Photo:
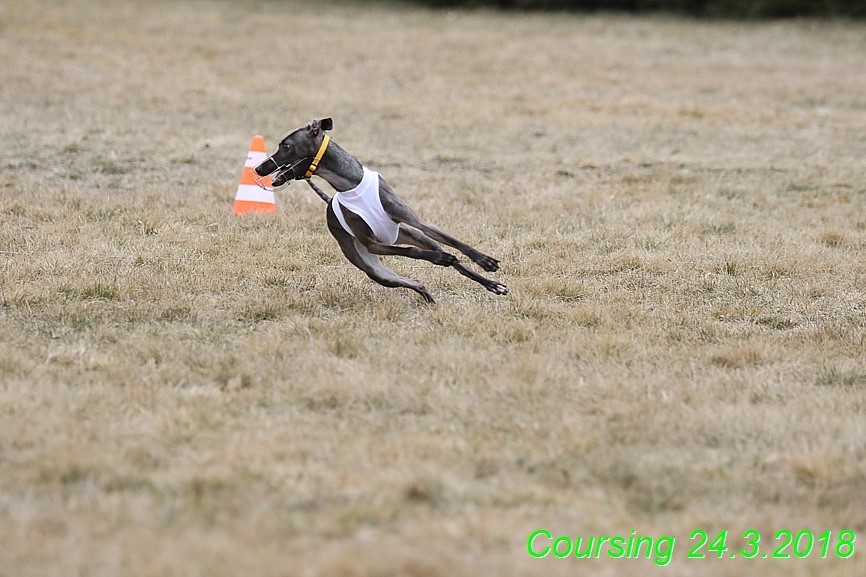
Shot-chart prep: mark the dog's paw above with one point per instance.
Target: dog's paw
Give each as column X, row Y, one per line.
column 497, row 288
column 488, row 263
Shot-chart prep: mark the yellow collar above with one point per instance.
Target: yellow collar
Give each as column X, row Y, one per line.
column 318, row 157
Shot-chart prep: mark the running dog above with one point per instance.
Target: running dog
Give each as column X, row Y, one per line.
column 365, row 215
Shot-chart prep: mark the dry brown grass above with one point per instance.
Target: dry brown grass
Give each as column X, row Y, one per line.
column 680, row 209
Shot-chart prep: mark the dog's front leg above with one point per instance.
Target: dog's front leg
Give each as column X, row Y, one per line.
column 355, row 252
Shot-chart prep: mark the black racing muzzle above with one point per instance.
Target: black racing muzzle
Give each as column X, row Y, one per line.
column 281, row 174
column 303, row 168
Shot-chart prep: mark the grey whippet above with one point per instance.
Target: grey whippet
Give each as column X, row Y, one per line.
column 352, row 219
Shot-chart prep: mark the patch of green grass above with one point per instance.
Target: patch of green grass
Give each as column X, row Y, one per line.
column 833, row 377
column 92, row 291
column 776, row 323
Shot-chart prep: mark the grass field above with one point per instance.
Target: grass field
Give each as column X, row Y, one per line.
column 680, row 212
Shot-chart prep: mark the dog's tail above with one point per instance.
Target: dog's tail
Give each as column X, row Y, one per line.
column 319, row 191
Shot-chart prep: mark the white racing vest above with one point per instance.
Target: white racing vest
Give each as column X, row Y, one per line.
column 364, row 201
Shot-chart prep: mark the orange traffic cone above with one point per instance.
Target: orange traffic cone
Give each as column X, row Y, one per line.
column 250, row 197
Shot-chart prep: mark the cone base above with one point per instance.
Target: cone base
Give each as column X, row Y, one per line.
column 248, row 206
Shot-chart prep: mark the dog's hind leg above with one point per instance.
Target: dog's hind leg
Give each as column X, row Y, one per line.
column 401, row 212
column 438, row 256
column 491, row 285
column 370, row 263
column 417, row 238
column 486, row 262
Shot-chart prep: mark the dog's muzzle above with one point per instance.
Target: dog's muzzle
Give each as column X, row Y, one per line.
column 280, row 174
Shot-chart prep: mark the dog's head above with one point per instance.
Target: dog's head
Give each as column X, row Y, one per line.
column 295, row 153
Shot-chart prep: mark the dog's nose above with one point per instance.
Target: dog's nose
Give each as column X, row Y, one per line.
column 266, row 167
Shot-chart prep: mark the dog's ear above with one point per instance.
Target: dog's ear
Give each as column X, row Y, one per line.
column 316, row 126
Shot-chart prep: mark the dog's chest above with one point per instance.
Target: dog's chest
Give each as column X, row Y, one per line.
column 364, row 201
